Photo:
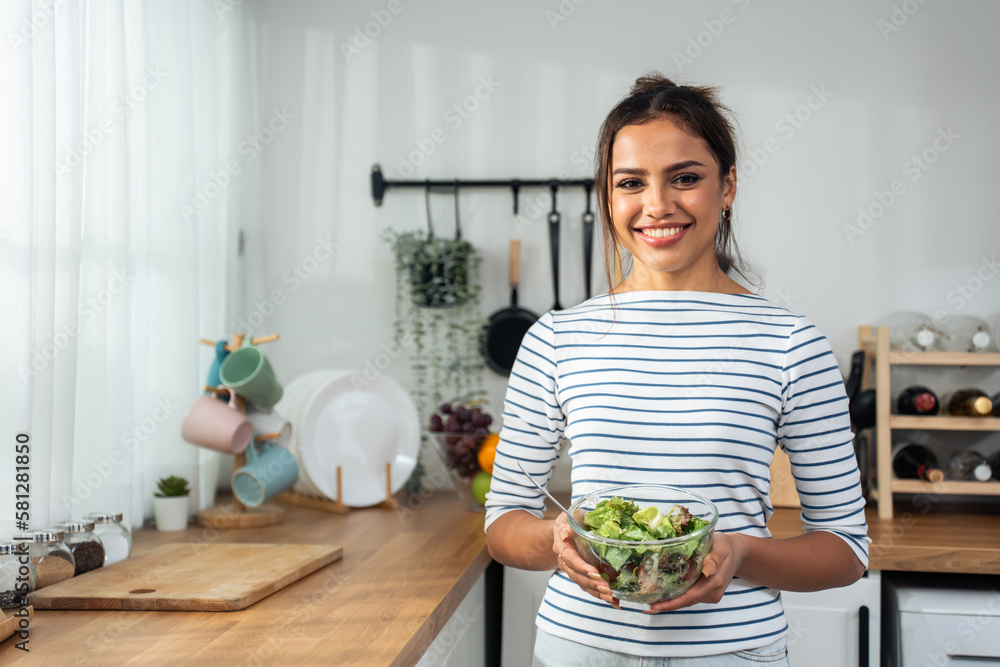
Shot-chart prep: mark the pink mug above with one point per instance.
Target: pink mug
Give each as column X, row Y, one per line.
column 212, row 424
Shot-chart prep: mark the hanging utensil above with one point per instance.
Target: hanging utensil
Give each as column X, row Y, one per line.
column 427, row 206
column 554, row 219
column 507, row 326
column 588, row 240
column 458, row 218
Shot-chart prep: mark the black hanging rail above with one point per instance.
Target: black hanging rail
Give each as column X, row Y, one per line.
column 380, row 184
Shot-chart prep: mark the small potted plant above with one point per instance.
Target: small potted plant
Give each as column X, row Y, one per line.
column 170, row 504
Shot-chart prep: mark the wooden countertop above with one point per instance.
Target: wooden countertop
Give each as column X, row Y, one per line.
column 402, row 576
column 957, row 543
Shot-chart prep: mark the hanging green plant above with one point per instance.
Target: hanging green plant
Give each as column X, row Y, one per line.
column 438, row 313
column 437, row 268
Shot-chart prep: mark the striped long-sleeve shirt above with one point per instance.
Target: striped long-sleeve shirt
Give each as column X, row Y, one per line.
column 689, row 389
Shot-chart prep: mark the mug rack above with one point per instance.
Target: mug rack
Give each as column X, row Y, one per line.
column 236, row 514
column 380, row 184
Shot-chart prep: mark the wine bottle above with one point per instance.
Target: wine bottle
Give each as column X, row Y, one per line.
column 993, row 460
column 967, row 333
column 969, row 403
column 917, row 400
column 968, row 465
column 913, row 332
column 913, row 461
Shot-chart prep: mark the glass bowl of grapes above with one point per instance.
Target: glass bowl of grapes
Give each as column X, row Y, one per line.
column 461, row 436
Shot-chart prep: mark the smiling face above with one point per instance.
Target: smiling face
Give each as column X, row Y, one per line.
column 666, row 198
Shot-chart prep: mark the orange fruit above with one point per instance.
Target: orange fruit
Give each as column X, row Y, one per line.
column 488, row 452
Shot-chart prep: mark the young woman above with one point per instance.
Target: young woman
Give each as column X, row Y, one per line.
column 678, row 376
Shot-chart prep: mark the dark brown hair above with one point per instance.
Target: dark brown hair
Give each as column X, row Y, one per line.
column 697, row 110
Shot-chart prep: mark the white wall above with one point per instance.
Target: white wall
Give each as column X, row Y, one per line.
column 891, row 91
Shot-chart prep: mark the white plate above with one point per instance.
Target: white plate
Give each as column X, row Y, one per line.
column 360, row 429
column 297, row 395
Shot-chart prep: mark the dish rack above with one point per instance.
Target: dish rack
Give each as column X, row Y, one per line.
column 337, row 506
column 875, row 343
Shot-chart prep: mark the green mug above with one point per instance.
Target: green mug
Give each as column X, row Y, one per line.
column 248, row 372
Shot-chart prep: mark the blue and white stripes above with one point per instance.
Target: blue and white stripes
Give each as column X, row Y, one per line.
column 694, row 390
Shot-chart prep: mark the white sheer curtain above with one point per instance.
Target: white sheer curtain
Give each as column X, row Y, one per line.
column 127, row 192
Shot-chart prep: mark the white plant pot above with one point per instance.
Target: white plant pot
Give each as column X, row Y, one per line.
column 171, row 513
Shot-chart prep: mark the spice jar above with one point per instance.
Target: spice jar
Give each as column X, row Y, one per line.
column 17, row 574
column 88, row 551
column 115, row 537
column 52, row 559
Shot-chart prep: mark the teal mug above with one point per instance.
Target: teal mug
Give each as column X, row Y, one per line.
column 248, row 372
column 265, row 474
column 220, row 355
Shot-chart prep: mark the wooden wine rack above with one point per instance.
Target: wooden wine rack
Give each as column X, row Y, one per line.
column 875, row 342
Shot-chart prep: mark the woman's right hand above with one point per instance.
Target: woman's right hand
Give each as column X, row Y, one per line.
column 582, row 573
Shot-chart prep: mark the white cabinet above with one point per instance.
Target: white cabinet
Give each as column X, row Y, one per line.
column 942, row 620
column 825, row 628
column 832, row 627
column 460, row 642
column 522, row 595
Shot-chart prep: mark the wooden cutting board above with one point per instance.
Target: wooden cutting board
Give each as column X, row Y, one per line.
column 189, row 577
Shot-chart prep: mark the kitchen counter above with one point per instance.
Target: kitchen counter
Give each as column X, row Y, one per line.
column 402, row 575
column 956, row 543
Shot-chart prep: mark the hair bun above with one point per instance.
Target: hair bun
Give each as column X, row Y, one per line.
column 651, row 81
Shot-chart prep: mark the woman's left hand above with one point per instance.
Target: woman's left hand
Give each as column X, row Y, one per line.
column 717, row 571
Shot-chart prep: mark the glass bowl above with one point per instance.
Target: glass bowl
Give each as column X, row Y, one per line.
column 459, row 452
column 652, row 571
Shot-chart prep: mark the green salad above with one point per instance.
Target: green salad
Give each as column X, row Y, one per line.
column 646, row 574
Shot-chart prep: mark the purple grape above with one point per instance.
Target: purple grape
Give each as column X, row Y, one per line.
column 468, row 427
column 481, row 432
column 463, row 413
column 445, row 409
column 489, row 420
column 478, row 419
column 453, row 425
column 436, row 423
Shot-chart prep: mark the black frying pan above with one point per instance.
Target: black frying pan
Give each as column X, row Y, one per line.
column 507, row 326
